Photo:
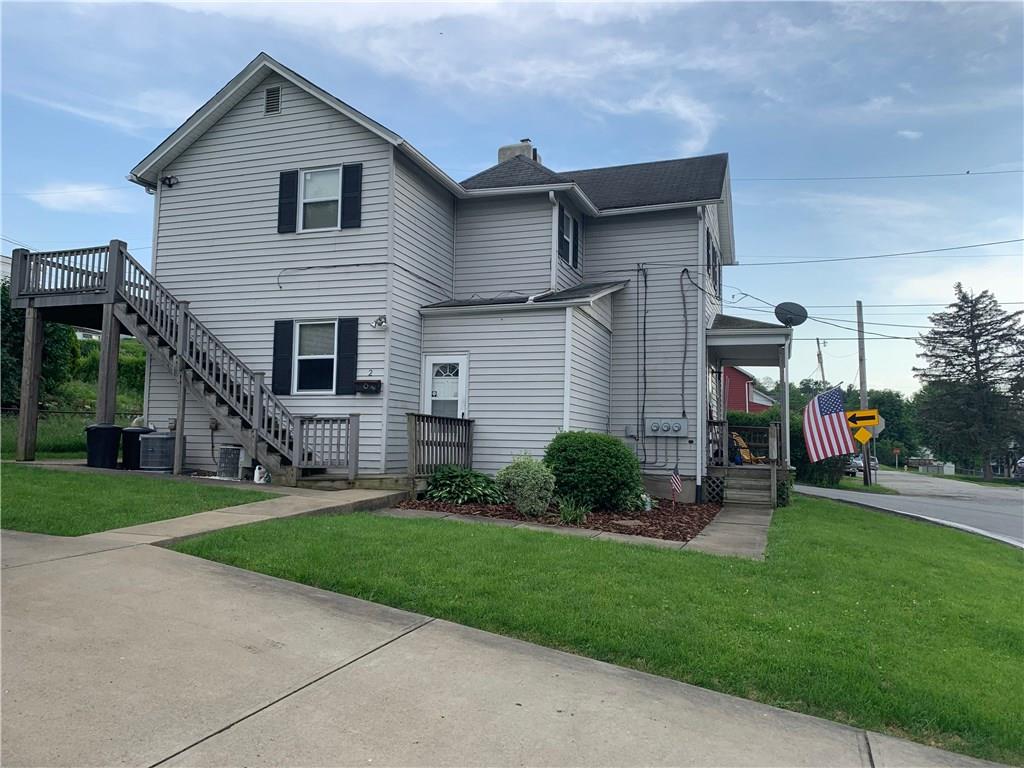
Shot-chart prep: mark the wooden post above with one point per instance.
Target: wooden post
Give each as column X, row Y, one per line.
column 352, row 451
column 181, row 342
column 31, row 368
column 297, row 447
column 469, row 445
column 773, row 460
column 115, row 268
column 410, row 429
column 19, row 273
column 784, row 398
column 110, row 342
column 179, row 426
column 257, row 412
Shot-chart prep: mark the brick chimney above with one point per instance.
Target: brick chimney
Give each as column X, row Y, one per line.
column 523, row 147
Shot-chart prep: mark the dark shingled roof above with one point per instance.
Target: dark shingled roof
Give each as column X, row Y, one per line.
column 581, row 291
column 688, row 180
column 518, row 171
column 731, row 322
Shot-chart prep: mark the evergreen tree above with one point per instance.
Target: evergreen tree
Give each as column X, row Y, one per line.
column 970, row 407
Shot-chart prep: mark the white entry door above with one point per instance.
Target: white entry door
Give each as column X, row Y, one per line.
column 445, row 380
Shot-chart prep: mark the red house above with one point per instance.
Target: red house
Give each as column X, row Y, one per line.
column 741, row 392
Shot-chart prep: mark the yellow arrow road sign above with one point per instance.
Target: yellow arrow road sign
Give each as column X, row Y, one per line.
column 865, row 418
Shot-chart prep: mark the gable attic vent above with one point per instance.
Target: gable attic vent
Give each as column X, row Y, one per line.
column 272, row 100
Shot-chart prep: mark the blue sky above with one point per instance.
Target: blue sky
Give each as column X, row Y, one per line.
column 788, row 89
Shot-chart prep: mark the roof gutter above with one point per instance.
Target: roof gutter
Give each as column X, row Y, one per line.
column 656, row 208
column 483, row 309
column 570, row 187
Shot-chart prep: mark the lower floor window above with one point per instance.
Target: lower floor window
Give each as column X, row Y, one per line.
column 315, row 356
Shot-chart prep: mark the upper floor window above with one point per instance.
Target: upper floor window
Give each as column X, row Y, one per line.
column 320, row 196
column 570, row 237
column 714, row 263
column 315, row 356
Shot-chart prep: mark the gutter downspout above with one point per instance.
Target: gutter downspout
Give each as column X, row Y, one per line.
column 702, row 376
column 554, row 240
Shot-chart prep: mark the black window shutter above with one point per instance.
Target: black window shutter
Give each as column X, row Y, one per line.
column 287, row 201
column 575, row 243
column 281, row 377
column 348, row 356
column 351, row 195
column 563, row 247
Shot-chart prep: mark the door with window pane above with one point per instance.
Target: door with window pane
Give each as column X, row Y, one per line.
column 445, row 385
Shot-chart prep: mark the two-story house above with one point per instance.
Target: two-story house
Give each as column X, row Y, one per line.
column 331, row 269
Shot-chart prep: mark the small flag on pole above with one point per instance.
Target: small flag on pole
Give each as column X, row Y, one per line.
column 677, row 484
column 825, row 430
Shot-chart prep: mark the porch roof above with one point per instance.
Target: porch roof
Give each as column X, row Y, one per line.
column 584, row 293
column 741, row 341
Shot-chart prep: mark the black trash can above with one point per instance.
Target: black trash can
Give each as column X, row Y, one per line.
column 131, row 446
column 101, row 444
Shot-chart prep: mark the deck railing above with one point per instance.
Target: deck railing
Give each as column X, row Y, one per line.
column 762, row 442
column 82, row 270
column 437, row 441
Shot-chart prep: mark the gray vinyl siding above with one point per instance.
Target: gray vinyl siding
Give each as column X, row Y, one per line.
column 665, row 242
column 219, row 248
column 590, row 382
column 503, row 245
column 516, row 375
column 601, row 310
column 422, row 274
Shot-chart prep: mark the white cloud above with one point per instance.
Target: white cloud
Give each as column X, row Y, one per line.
column 82, row 198
column 148, row 108
column 910, row 135
column 698, row 117
column 882, row 207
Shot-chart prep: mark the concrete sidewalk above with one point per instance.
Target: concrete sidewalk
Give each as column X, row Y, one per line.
column 136, row 655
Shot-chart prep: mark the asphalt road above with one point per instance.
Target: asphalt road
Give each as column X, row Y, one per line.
column 997, row 512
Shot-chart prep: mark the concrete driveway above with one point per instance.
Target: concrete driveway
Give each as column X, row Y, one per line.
column 116, row 652
column 994, row 511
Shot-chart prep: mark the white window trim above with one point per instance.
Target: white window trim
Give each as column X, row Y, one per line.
column 462, row 358
column 301, row 223
column 568, row 217
column 296, row 357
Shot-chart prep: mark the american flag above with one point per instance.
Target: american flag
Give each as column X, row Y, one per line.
column 825, row 430
column 677, row 482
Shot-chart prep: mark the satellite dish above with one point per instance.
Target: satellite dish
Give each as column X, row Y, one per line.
column 790, row 314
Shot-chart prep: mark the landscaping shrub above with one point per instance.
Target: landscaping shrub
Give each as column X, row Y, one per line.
column 572, row 512
column 594, row 469
column 528, row 484
column 459, row 485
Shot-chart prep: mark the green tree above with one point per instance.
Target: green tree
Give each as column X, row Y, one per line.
column 60, row 353
column 970, row 407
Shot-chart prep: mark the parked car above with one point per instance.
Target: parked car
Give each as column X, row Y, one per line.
column 856, row 465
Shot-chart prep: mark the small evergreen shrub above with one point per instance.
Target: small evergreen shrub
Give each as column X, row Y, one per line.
column 459, row 485
column 594, row 469
column 572, row 512
column 527, row 484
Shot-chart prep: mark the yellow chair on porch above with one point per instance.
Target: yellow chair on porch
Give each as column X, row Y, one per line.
column 744, row 451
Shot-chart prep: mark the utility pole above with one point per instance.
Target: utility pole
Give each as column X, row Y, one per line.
column 821, row 365
column 865, row 451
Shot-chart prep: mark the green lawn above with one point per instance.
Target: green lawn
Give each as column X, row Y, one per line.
column 856, row 616
column 857, row 484
column 999, row 482
column 65, row 503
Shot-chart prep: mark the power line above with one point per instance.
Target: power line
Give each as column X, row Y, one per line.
column 840, row 319
column 31, row 193
column 868, row 178
column 888, row 255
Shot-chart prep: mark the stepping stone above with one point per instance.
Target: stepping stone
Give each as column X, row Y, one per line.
column 627, row 523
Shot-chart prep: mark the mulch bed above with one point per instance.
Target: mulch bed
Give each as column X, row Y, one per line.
column 679, row 522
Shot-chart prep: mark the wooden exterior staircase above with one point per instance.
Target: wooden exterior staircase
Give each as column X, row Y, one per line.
column 106, row 288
